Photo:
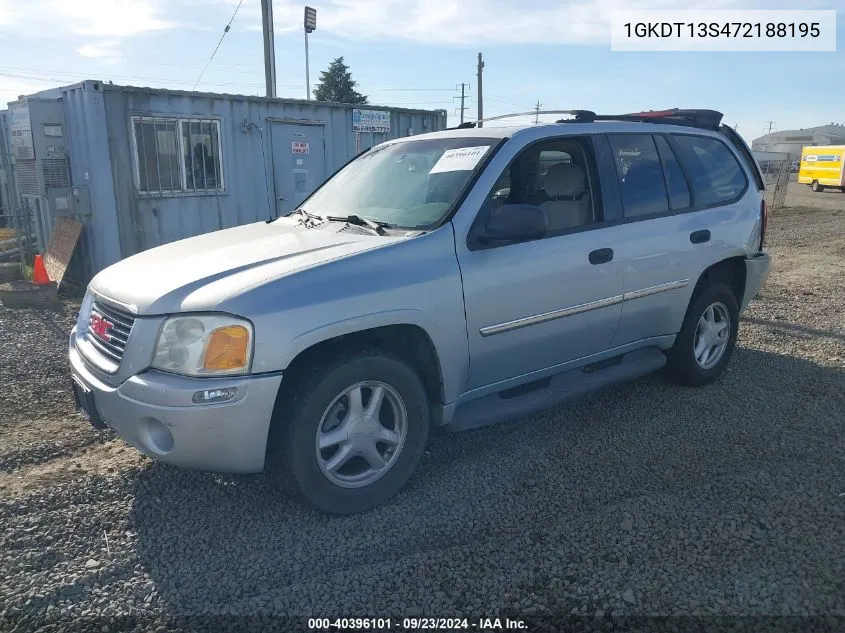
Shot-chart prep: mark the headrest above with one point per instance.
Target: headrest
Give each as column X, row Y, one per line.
column 564, row 179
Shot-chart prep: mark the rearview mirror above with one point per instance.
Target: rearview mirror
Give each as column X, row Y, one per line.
column 515, row 222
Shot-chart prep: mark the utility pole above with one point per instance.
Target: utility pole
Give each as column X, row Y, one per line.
column 537, row 115
column 771, row 123
column 463, row 100
column 269, row 47
column 480, row 116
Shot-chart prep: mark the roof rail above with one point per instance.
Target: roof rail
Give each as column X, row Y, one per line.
column 708, row 119
column 580, row 116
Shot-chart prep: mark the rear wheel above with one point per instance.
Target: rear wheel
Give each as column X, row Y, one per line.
column 816, row 186
column 707, row 337
column 356, row 431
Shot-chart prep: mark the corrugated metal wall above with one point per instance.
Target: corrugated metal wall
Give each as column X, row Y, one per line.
column 90, row 166
column 125, row 221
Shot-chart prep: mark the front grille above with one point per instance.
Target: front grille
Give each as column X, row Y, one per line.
column 118, row 333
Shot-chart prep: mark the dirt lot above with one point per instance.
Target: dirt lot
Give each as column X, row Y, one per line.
column 646, row 499
column 802, row 196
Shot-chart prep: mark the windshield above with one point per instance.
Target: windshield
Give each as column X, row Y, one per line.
column 411, row 184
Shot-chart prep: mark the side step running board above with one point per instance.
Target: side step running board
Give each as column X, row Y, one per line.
column 560, row 388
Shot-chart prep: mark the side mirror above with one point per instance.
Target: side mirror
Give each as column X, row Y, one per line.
column 515, row 222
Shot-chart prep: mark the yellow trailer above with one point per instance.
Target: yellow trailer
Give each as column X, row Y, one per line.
column 823, row 166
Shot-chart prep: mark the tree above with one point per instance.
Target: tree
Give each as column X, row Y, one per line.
column 336, row 85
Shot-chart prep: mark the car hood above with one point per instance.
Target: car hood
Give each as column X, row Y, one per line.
column 197, row 273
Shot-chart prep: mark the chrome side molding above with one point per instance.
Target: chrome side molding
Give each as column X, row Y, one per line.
column 507, row 326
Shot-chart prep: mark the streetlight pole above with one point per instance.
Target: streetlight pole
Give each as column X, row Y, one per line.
column 310, row 24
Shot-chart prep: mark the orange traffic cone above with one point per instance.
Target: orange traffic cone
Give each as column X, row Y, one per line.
column 39, row 273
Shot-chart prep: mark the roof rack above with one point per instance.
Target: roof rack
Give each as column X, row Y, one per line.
column 707, row 119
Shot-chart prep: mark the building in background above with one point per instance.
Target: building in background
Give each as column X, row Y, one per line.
column 793, row 141
column 142, row 167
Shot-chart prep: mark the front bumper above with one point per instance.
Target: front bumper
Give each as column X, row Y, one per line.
column 757, row 268
column 154, row 412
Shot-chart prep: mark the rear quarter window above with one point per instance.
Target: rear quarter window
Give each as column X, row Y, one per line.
column 717, row 177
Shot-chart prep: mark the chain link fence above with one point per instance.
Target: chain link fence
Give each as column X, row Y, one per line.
column 776, row 177
column 17, row 239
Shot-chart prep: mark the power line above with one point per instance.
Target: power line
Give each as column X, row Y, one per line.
column 420, row 103
column 56, row 75
column 220, row 41
column 74, row 76
column 409, row 89
column 508, row 101
column 147, row 58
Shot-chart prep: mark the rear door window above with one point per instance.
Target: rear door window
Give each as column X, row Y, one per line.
column 640, row 175
column 717, row 177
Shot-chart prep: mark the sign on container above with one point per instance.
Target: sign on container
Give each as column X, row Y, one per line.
column 370, row 120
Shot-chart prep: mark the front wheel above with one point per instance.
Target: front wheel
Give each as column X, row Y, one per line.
column 356, row 431
column 707, row 337
column 816, row 186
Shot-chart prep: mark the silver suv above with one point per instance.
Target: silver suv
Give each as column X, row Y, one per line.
column 448, row 280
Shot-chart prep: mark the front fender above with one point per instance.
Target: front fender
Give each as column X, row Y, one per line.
column 411, row 282
column 351, row 325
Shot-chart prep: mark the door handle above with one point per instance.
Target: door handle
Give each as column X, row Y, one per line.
column 601, row 256
column 699, row 237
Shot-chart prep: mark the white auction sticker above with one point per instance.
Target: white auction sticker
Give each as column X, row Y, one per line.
column 462, row 159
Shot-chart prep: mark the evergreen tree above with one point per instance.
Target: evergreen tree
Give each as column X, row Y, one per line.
column 336, row 85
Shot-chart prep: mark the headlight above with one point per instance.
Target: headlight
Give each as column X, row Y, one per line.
column 84, row 314
column 204, row 345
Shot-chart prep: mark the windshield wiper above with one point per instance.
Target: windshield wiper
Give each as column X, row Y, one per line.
column 307, row 217
column 357, row 220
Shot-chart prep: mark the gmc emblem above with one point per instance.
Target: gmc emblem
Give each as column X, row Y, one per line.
column 101, row 326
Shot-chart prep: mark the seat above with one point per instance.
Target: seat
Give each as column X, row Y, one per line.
column 569, row 205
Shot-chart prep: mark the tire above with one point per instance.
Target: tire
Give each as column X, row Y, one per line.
column 816, row 186
column 322, row 404
column 683, row 366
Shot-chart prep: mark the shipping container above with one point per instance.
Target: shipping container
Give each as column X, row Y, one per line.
column 145, row 166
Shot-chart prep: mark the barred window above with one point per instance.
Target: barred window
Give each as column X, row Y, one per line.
column 202, row 160
column 176, row 155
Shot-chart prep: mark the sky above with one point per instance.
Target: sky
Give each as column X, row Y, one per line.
column 416, row 53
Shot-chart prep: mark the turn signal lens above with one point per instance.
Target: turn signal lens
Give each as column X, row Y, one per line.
column 227, row 349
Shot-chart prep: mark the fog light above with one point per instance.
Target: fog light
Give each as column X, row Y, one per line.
column 214, row 395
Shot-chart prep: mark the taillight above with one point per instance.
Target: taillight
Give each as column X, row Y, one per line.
column 764, row 222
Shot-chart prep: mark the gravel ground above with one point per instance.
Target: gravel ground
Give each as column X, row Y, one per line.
column 647, row 499
column 798, row 195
